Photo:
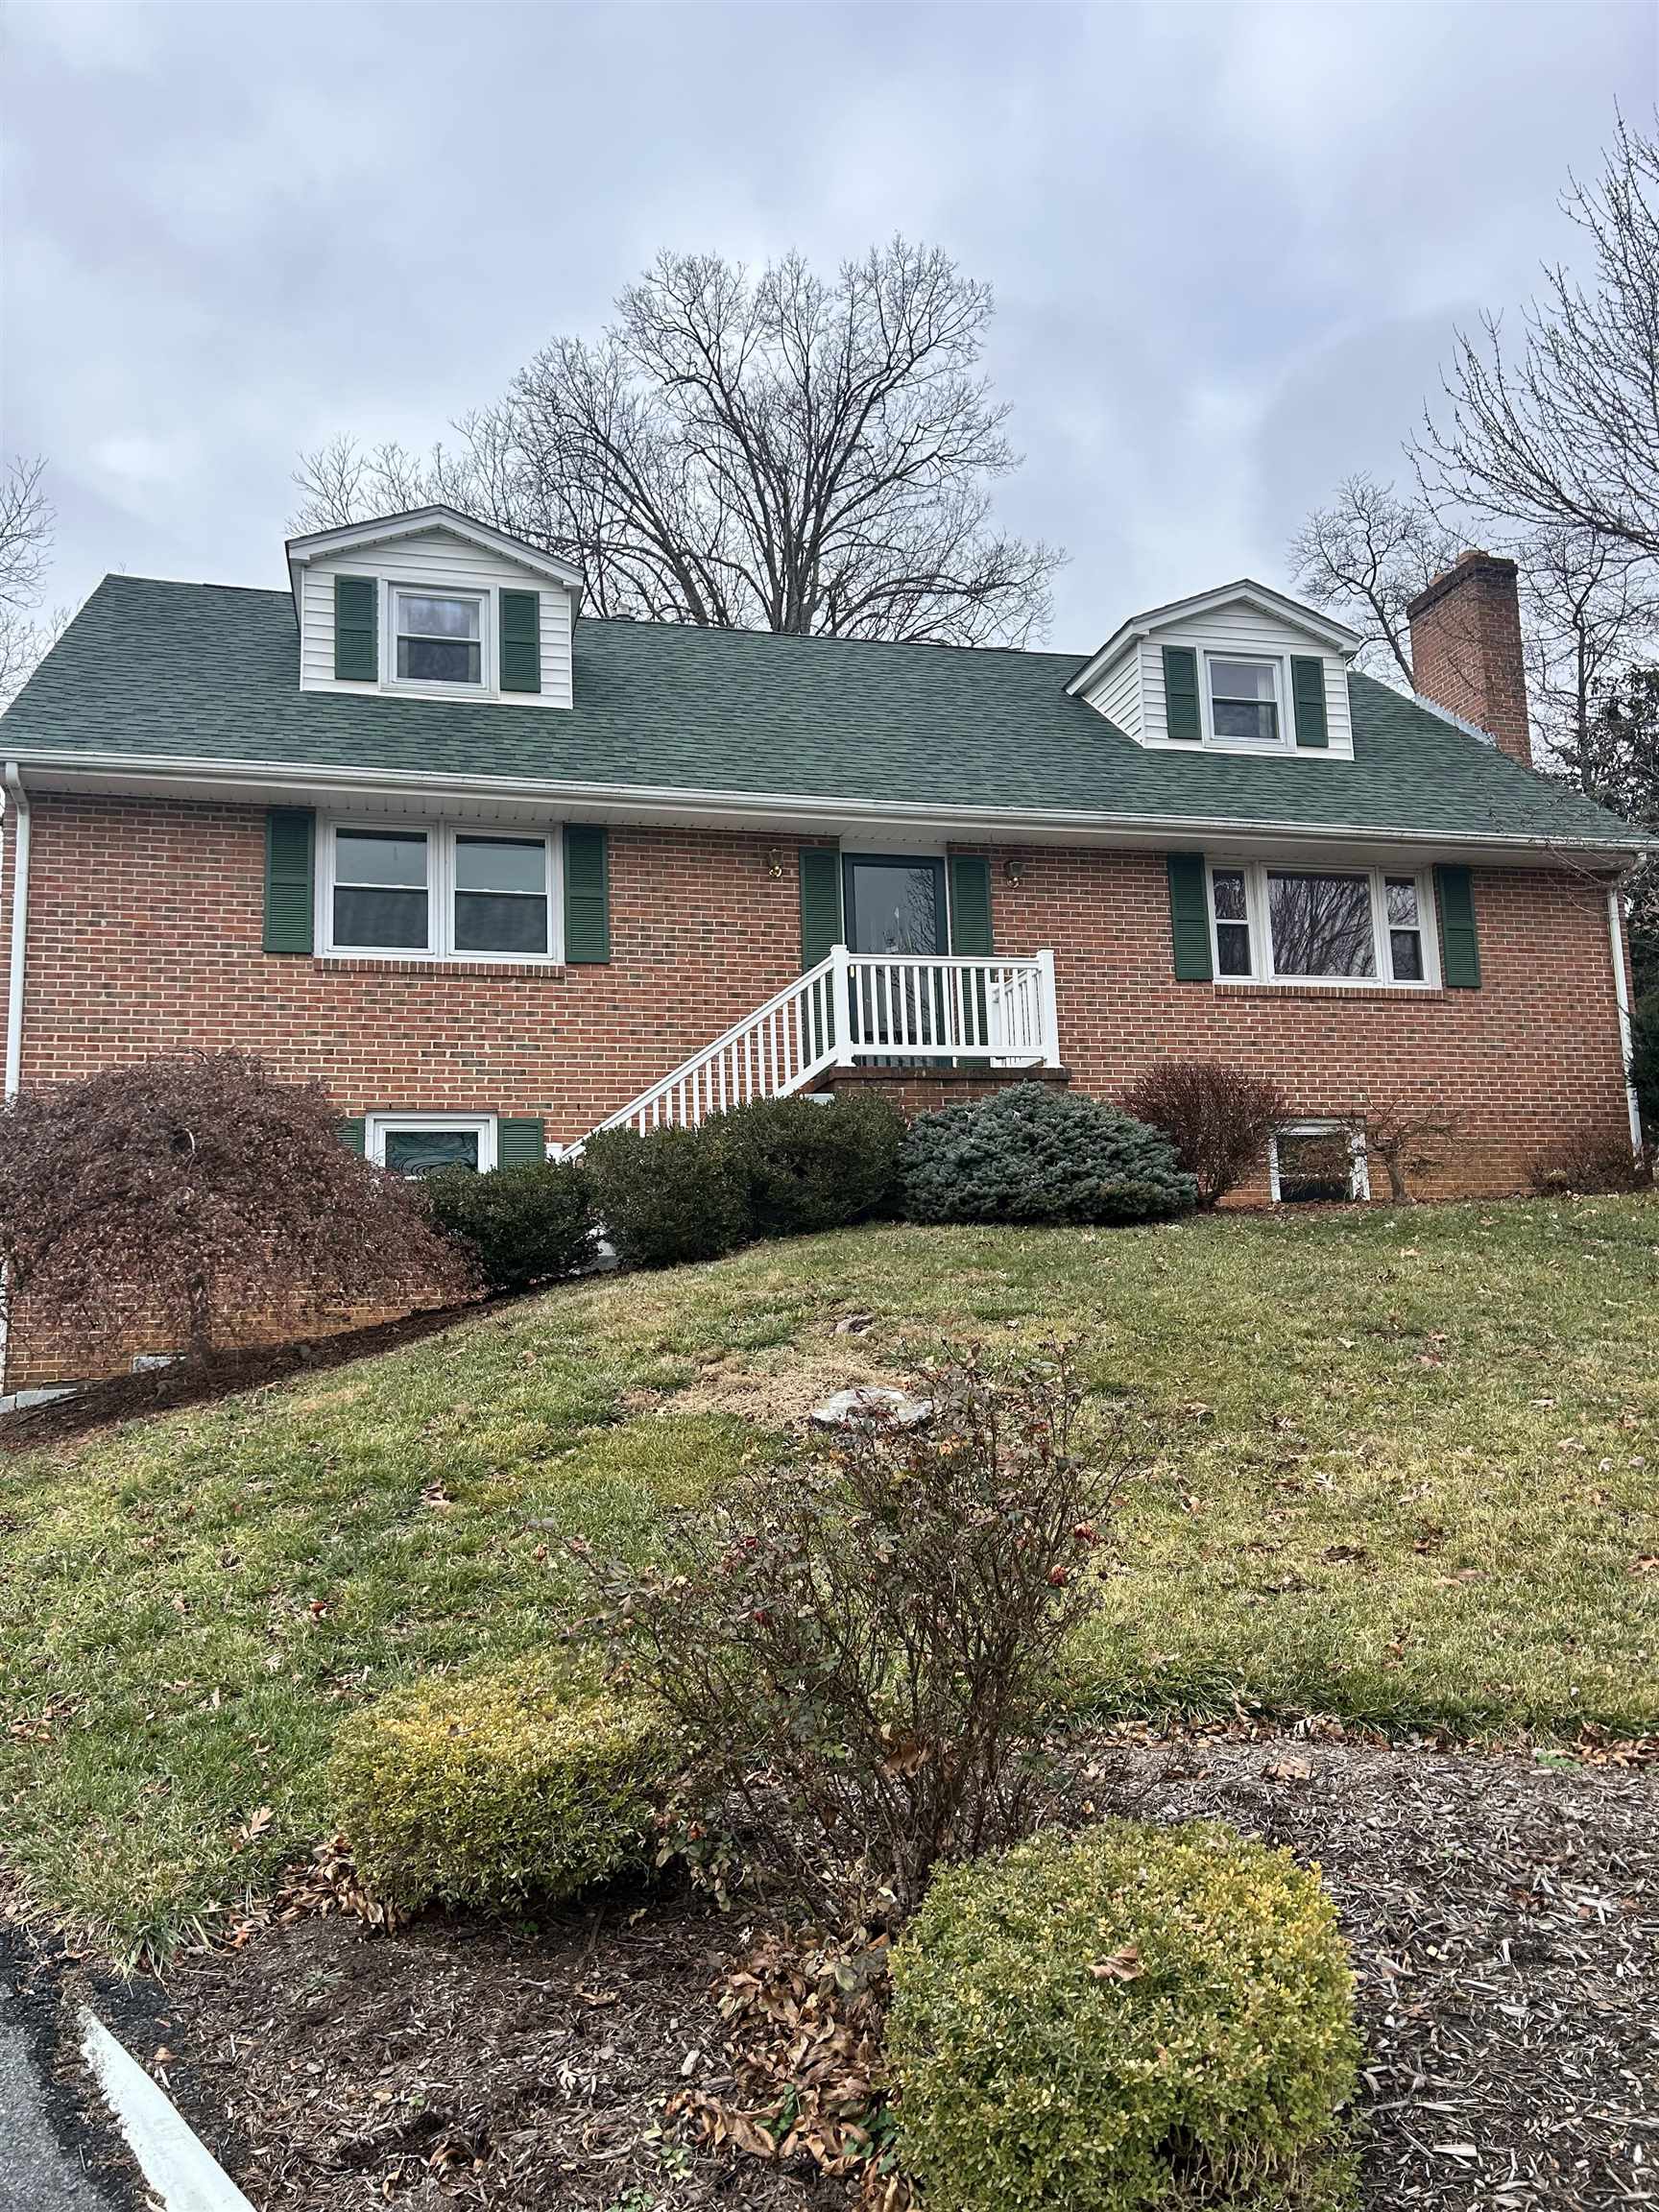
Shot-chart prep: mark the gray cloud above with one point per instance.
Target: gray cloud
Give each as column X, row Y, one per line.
column 1230, row 244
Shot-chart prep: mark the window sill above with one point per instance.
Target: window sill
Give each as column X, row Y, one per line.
column 427, row 964
column 1254, row 987
column 1243, row 750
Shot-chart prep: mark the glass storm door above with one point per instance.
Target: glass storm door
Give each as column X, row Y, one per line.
column 894, row 906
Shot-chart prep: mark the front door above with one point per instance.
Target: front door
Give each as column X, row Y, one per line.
column 894, row 906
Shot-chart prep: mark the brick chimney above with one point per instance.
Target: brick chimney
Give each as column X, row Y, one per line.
column 1466, row 649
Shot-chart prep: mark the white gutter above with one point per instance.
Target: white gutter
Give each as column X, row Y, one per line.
column 17, row 830
column 1621, row 998
column 641, row 801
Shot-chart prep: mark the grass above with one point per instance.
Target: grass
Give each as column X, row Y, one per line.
column 1407, row 1476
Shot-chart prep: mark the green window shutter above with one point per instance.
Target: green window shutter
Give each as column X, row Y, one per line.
column 354, row 1136
column 290, row 848
column 1189, row 917
column 970, row 906
column 356, row 629
column 1459, row 946
column 820, row 872
column 587, row 892
column 520, row 1140
column 521, row 641
column 1307, row 690
column 1181, row 693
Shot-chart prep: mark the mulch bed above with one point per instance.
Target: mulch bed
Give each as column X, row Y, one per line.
column 1505, row 1918
column 96, row 1405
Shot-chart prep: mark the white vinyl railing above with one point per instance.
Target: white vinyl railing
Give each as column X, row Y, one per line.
column 875, row 1009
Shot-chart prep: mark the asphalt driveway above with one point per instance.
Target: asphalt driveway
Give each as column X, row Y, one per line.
column 47, row 2146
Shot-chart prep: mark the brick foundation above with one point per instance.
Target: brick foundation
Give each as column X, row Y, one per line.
column 924, row 1091
column 146, row 928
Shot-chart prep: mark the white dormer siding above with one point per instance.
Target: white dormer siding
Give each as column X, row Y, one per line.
column 1117, row 694
column 1259, row 636
column 437, row 562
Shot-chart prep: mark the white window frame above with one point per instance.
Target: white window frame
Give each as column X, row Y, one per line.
column 1358, row 1163
column 441, row 837
column 1279, row 664
column 483, row 596
column 377, row 1127
column 1262, row 969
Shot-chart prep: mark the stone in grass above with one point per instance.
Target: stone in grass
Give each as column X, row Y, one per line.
column 853, row 1324
column 872, row 1405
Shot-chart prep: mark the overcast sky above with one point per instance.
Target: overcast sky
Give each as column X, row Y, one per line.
column 1229, row 245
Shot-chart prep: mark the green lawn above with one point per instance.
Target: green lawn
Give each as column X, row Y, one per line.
column 1409, row 1475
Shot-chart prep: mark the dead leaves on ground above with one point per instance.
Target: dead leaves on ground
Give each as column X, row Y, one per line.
column 806, row 2067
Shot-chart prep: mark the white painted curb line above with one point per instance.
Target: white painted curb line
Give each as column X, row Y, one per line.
column 173, row 2161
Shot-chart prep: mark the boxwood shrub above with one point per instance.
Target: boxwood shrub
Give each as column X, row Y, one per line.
column 523, row 1225
column 666, row 1197
column 1033, row 1153
column 807, row 1166
column 779, row 1167
column 495, row 1789
column 1125, row 2018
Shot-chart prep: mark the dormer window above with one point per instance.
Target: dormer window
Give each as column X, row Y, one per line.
column 1244, row 701
column 1240, row 669
column 439, row 637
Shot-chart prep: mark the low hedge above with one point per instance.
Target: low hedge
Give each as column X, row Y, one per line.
column 523, row 1225
column 805, row 1166
column 779, row 1167
column 666, row 1197
column 1032, row 1153
column 491, row 1789
column 1125, row 2018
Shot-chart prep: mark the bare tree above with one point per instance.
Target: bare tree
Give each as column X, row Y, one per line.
column 1560, row 433
column 27, row 520
column 1412, row 1138
column 1586, row 604
column 769, row 451
column 1366, row 557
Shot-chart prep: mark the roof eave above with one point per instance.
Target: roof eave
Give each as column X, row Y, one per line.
column 1337, row 634
column 642, row 801
column 345, row 538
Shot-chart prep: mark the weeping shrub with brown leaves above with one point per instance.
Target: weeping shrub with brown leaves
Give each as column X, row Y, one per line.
column 866, row 1636
column 197, row 1197
column 1218, row 1118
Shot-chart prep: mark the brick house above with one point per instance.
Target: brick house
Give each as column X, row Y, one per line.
column 497, row 875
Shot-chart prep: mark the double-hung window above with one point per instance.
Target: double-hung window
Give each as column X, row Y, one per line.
column 440, row 890
column 437, row 636
column 1289, row 925
column 381, row 895
column 1244, row 703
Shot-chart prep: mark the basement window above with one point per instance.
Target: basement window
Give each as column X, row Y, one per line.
column 1317, row 1164
column 421, row 1144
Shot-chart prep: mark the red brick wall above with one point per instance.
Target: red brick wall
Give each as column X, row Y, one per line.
column 1466, row 651
column 146, row 921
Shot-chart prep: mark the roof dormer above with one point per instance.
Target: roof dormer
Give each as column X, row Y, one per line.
column 433, row 605
column 1241, row 669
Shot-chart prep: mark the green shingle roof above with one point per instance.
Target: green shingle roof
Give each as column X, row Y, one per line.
column 152, row 670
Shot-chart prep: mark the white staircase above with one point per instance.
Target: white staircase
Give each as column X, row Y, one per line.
column 860, row 1007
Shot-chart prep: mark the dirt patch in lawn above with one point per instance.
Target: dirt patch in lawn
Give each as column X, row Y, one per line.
column 1505, row 1918
column 779, row 1389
